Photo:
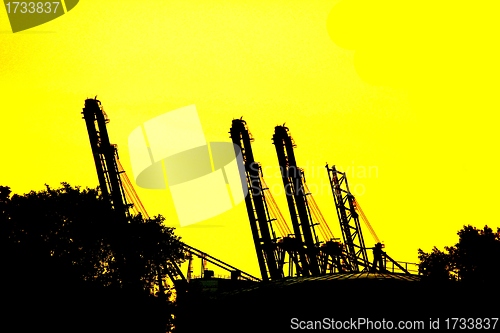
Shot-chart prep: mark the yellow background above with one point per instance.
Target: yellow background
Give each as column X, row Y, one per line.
column 400, row 94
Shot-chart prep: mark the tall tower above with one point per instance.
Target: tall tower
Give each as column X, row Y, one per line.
column 293, row 182
column 349, row 220
column 105, row 158
column 260, row 220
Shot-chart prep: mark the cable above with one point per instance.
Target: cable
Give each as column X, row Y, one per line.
column 365, row 220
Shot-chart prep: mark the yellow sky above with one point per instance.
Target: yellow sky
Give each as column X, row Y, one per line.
column 401, row 95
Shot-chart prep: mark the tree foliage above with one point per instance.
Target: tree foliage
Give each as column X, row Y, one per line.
column 65, row 239
column 474, row 259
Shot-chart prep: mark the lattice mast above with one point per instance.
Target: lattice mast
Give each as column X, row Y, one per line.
column 263, row 234
column 349, row 220
column 293, row 181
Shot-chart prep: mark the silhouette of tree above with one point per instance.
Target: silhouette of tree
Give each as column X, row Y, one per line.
column 66, row 239
column 477, row 254
column 436, row 265
column 474, row 259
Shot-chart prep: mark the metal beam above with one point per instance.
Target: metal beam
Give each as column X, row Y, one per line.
column 349, row 221
column 105, row 158
column 260, row 220
column 297, row 202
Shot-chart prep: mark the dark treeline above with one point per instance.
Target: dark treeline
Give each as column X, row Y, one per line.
column 69, row 266
column 473, row 260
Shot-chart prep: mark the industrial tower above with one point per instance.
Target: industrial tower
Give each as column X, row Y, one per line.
column 105, row 158
column 263, row 234
column 349, row 220
column 300, row 215
column 348, row 212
